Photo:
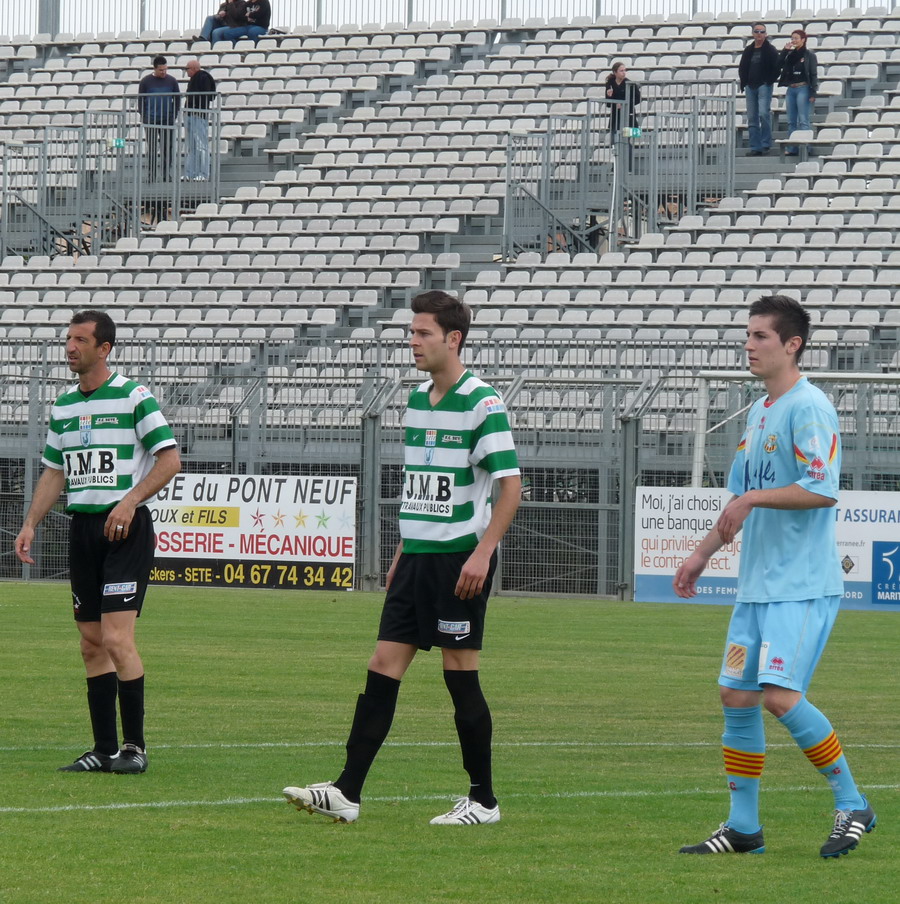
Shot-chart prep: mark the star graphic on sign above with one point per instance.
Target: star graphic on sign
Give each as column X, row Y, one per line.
column 345, row 522
column 258, row 518
column 323, row 519
column 278, row 519
column 300, row 518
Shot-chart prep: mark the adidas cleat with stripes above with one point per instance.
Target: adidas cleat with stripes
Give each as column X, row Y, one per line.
column 849, row 827
column 130, row 760
column 726, row 840
column 468, row 812
column 325, row 799
column 90, row 761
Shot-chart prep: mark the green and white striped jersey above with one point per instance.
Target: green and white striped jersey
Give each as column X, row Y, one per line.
column 105, row 442
column 453, row 451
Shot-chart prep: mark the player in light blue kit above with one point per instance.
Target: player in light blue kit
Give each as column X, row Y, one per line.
column 785, row 478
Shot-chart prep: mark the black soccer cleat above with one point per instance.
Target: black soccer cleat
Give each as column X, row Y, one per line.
column 726, row 840
column 849, row 826
column 90, row 761
column 130, row 760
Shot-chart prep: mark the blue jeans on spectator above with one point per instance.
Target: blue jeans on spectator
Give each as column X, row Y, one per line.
column 196, row 164
column 235, row 34
column 209, row 25
column 797, row 103
column 759, row 116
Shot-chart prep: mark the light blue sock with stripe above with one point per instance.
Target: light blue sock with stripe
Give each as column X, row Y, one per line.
column 814, row 735
column 744, row 751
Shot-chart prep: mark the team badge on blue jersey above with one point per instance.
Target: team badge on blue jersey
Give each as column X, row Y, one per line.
column 771, row 443
column 84, row 425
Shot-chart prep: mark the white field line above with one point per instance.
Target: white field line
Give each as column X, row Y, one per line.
column 561, row 795
column 299, row 745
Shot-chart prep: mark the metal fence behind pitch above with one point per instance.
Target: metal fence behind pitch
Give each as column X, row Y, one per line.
column 619, row 169
column 78, row 189
column 587, row 434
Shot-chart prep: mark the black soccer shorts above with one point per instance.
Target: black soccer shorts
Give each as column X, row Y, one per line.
column 105, row 575
column 421, row 608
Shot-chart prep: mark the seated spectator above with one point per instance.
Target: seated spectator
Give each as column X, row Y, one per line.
column 233, row 19
column 213, row 22
column 258, row 15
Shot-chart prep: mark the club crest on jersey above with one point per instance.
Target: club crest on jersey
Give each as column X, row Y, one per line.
column 430, row 443
column 771, row 443
column 84, row 426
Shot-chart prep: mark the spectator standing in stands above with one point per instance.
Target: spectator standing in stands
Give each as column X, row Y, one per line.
column 110, row 449
column 159, row 100
column 617, row 89
column 799, row 72
column 758, row 71
column 201, row 90
column 458, row 445
column 785, row 479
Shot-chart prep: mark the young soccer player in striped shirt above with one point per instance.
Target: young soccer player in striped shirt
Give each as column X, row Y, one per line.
column 457, row 445
column 109, row 447
column 785, row 478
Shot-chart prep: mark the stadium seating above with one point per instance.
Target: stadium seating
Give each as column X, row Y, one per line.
column 381, row 164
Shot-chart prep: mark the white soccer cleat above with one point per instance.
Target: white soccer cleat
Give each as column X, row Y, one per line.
column 323, row 798
column 468, row 812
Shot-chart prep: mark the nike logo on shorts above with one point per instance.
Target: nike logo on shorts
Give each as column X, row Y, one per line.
column 461, row 637
column 128, row 599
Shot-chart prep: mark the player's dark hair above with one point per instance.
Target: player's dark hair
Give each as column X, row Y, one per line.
column 104, row 328
column 788, row 318
column 159, row 61
column 449, row 312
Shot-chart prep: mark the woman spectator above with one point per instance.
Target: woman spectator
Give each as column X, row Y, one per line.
column 616, row 90
column 799, row 73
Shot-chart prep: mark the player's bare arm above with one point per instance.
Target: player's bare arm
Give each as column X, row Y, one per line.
column 166, row 466
column 792, row 497
column 50, row 484
column 685, row 580
column 389, row 577
column 474, row 572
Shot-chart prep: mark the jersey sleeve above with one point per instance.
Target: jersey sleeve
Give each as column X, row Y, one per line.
column 150, row 427
column 493, row 448
column 52, row 457
column 817, row 451
column 737, row 483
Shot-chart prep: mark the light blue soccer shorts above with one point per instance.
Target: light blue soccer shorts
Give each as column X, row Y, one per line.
column 776, row 643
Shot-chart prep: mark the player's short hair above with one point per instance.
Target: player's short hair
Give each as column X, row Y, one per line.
column 159, row 61
column 449, row 312
column 104, row 327
column 788, row 318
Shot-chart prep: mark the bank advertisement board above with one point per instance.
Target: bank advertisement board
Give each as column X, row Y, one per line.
column 239, row 530
column 670, row 522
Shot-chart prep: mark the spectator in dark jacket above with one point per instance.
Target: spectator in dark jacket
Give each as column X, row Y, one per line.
column 233, row 16
column 799, row 72
column 758, row 71
column 159, row 100
column 617, row 89
column 258, row 16
column 201, row 91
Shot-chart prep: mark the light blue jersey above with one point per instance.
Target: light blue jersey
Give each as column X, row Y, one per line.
column 789, row 555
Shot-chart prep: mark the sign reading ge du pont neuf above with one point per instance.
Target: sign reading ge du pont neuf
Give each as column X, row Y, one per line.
column 238, row 530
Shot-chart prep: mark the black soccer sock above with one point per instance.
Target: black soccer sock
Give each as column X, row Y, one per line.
column 131, row 709
column 371, row 723
column 101, row 696
column 475, row 729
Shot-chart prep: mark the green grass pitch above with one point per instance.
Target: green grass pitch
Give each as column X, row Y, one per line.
column 607, row 759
